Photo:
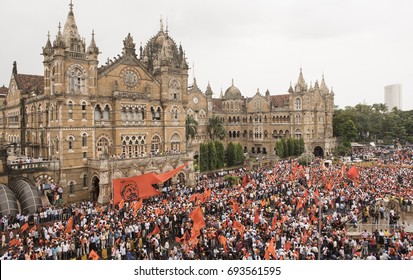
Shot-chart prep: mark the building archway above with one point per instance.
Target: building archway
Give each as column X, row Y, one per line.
column 95, row 190
column 318, row 151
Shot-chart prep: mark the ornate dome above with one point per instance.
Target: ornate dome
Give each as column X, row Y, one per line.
column 232, row 92
column 161, row 50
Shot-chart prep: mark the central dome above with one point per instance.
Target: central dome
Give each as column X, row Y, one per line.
column 232, row 92
column 161, row 50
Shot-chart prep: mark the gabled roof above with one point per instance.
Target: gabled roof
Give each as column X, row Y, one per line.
column 217, row 104
column 278, row 100
column 3, row 91
column 28, row 83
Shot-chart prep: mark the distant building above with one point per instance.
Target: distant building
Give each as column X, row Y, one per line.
column 393, row 96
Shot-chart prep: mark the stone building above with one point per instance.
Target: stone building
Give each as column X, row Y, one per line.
column 80, row 125
column 257, row 122
column 94, row 123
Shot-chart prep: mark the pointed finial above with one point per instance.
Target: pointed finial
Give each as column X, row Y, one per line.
column 166, row 24
column 48, row 35
column 193, row 69
column 93, row 33
column 232, row 81
column 71, row 7
column 161, row 24
column 59, row 26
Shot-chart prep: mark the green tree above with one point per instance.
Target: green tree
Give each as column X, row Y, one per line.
column 204, row 157
column 212, row 156
column 279, row 147
column 191, row 127
column 230, row 154
column 239, row 154
column 220, row 154
column 215, row 128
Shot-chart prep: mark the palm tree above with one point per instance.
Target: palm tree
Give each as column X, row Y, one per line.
column 216, row 128
column 191, row 127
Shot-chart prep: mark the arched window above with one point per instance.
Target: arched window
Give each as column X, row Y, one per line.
column 174, row 89
column 298, row 104
column 155, row 145
column 175, row 143
column 71, row 143
column 39, row 115
column 298, row 118
column 84, row 178
column 102, row 146
column 72, row 187
column 83, row 110
column 70, row 110
column 76, row 81
column 84, row 140
column 174, row 114
column 106, row 113
column 98, row 113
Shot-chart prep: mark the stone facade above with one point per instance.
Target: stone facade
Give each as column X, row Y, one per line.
column 257, row 122
column 127, row 117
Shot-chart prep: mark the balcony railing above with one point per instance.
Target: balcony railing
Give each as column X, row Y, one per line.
column 34, row 166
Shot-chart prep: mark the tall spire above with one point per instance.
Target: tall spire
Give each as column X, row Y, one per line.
column 59, row 42
column 232, row 82
column 323, row 86
column 93, row 49
column 161, row 24
column 47, row 49
column 208, row 90
column 71, row 7
column 70, row 31
column 301, row 85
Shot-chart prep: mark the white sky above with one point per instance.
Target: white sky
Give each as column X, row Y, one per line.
column 359, row 45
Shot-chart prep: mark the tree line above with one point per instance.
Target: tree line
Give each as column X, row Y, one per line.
column 213, row 156
column 371, row 123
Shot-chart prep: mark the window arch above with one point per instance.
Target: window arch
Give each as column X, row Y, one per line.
column 155, row 144
column 84, row 140
column 70, row 110
column 102, row 146
column 174, row 89
column 84, row 179
column 98, row 113
column 72, row 187
column 175, row 143
column 84, row 110
column 175, row 113
column 298, row 104
column 71, row 143
column 76, row 80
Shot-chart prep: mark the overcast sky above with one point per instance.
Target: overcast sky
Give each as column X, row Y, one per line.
column 359, row 45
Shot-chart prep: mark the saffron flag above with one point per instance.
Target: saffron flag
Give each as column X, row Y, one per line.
column 238, row 226
column 198, row 218
column 133, row 188
column 245, row 180
column 223, row 240
column 69, row 225
column 270, row 251
column 256, row 217
column 155, row 231
column 93, row 255
column 353, row 173
column 15, row 242
column 24, row 227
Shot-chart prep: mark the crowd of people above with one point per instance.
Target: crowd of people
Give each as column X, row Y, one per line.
column 279, row 211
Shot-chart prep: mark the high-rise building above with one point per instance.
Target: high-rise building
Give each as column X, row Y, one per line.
column 393, row 96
